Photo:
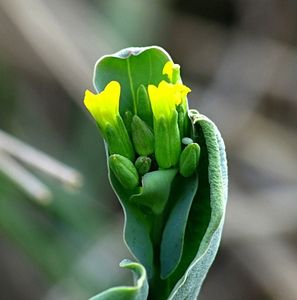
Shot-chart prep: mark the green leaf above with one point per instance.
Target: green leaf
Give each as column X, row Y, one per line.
column 137, row 292
column 131, row 67
column 136, row 228
column 156, row 190
column 207, row 213
column 182, row 195
column 154, row 195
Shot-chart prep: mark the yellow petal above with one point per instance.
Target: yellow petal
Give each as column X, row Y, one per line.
column 172, row 71
column 181, row 93
column 90, row 103
column 104, row 107
column 156, row 100
column 162, row 99
column 112, row 95
column 168, row 69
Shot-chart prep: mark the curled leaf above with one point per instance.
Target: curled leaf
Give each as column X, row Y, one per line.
column 137, row 292
column 206, row 218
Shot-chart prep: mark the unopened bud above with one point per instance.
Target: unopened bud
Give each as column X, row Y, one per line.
column 118, row 140
column 167, row 141
column 143, row 165
column 142, row 136
column 127, row 118
column 183, row 120
column 124, row 171
column 144, row 109
column 189, row 159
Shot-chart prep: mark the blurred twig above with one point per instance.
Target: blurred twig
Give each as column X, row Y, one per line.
column 11, row 146
column 31, row 185
column 39, row 160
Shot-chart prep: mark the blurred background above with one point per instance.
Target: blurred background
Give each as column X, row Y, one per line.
column 60, row 223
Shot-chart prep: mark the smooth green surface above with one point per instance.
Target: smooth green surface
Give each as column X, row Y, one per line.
column 136, row 228
column 183, row 192
column 131, row 67
column 156, row 190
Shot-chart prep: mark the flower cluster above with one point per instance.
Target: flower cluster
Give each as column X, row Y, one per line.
column 154, row 136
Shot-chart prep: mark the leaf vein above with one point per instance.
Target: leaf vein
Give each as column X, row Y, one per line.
column 131, row 86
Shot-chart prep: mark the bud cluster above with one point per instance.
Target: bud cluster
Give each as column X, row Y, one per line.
column 153, row 136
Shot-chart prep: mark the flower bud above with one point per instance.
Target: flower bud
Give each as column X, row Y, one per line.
column 164, row 99
column 142, row 136
column 182, row 120
column 118, row 140
column 144, row 109
column 173, row 72
column 143, row 165
column 189, row 159
column 127, row 118
column 167, row 141
column 124, row 171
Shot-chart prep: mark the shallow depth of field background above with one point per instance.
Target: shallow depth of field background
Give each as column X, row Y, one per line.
column 61, row 238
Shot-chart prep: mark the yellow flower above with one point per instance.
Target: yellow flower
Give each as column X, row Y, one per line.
column 162, row 99
column 172, row 70
column 181, row 91
column 165, row 97
column 104, row 107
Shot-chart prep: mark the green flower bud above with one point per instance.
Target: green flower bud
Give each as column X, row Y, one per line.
column 183, row 120
column 124, row 171
column 144, row 109
column 118, row 139
column 127, row 118
column 167, row 141
column 142, row 136
column 143, row 165
column 189, row 159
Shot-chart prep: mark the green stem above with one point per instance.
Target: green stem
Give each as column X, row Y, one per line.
column 159, row 289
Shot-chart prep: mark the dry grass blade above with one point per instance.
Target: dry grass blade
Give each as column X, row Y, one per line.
column 39, row 160
column 31, row 185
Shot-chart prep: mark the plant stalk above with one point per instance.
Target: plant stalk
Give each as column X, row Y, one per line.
column 159, row 289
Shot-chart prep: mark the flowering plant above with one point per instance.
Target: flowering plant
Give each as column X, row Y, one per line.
column 167, row 166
